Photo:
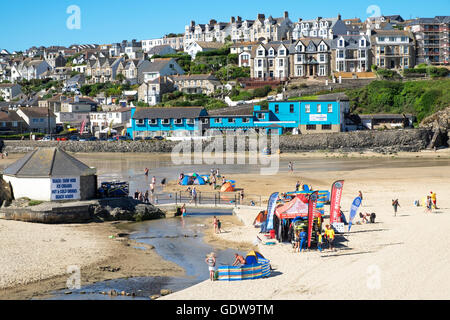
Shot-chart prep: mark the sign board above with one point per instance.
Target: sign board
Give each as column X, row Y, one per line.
column 318, row 117
column 65, row 188
column 339, row 227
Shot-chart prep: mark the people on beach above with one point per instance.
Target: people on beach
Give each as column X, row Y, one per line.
column 297, row 186
column 193, row 195
column 329, row 234
column 219, row 226
column 146, row 172
column 152, row 189
column 238, row 260
column 395, row 205
column 211, row 262
column 136, row 195
column 163, row 182
column 302, row 236
column 183, row 210
column 154, row 180
column 291, row 166
column 296, row 240
column 433, row 199
column 319, row 241
column 224, row 180
column 429, row 205
column 363, row 217
column 146, row 199
column 215, row 224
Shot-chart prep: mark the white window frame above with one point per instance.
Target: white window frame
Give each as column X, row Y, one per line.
column 330, row 108
column 165, row 121
column 307, row 108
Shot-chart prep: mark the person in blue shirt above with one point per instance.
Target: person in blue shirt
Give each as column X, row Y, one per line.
column 302, row 239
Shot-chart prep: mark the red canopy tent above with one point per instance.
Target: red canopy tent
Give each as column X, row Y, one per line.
column 297, row 207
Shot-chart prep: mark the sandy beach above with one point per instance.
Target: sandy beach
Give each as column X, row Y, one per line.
column 35, row 258
column 402, row 257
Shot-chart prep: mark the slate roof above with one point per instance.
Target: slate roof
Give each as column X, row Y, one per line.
column 169, row 113
column 48, row 162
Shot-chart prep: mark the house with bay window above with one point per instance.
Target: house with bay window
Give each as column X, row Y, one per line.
column 393, row 49
column 351, row 54
column 310, row 58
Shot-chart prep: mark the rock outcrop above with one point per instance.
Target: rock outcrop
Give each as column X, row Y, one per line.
column 439, row 123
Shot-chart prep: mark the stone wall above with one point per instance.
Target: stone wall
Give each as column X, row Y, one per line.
column 379, row 141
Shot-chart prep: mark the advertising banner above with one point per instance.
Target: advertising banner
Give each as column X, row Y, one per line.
column 270, row 210
column 312, row 203
column 353, row 209
column 335, row 201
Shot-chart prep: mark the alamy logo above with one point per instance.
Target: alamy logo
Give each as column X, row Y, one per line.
column 234, row 148
column 74, row 20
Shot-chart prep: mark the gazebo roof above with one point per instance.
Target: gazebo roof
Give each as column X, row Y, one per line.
column 48, row 162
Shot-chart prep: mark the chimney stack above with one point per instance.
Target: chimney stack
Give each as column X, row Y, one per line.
column 339, row 16
column 239, row 19
column 261, row 16
column 232, row 20
column 192, row 23
column 286, row 14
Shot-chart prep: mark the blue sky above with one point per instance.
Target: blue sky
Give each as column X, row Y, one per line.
column 28, row 22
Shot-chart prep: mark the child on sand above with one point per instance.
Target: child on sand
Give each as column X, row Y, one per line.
column 211, row 262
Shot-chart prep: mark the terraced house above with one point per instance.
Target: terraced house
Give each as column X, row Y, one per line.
column 304, row 58
column 393, row 49
column 325, row 28
column 351, row 53
column 102, row 70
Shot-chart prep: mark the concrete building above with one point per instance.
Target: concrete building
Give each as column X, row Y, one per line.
column 50, row 174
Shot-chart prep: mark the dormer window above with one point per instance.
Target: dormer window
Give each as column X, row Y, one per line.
column 341, row 42
column 362, row 43
column 271, row 52
column 281, row 52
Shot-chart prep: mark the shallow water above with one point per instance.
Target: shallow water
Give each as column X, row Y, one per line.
column 130, row 167
column 175, row 241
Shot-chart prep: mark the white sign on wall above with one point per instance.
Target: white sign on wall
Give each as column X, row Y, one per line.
column 339, row 227
column 318, row 117
column 65, row 188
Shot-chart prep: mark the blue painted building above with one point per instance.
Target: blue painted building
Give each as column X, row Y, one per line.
column 312, row 116
column 150, row 122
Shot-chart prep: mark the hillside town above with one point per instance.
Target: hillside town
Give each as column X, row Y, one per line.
column 280, row 75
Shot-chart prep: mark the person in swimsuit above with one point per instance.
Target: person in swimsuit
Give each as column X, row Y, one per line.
column 211, row 262
column 239, row 260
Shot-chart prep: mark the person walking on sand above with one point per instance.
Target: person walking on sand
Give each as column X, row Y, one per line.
column 193, row 195
column 296, row 240
column 291, row 166
column 297, row 186
column 146, row 172
column 303, row 236
column 211, row 262
column 395, row 205
column 219, row 226
column 215, row 224
column 429, row 205
column 433, row 199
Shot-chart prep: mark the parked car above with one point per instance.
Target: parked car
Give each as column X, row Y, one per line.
column 159, row 138
column 123, row 138
column 92, row 139
column 148, row 138
column 138, row 139
column 47, row 138
column 74, row 138
column 61, row 139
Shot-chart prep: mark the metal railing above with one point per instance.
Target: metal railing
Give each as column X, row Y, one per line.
column 214, row 198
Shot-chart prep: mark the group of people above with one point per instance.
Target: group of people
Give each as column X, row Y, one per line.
column 431, row 202
column 302, row 187
column 327, row 238
column 217, row 224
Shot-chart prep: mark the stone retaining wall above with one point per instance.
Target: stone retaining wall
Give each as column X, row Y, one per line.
column 412, row 140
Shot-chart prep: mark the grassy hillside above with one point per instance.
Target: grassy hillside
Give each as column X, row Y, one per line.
column 420, row 98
